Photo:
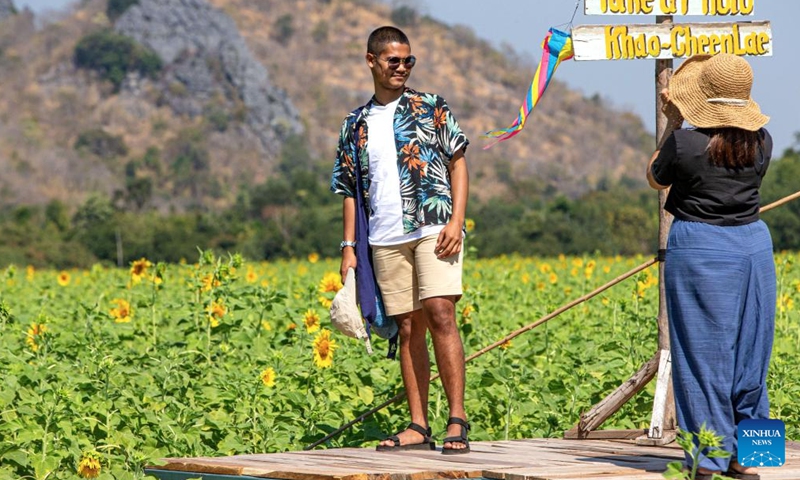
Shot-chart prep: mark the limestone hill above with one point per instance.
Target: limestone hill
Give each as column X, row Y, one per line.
column 236, row 79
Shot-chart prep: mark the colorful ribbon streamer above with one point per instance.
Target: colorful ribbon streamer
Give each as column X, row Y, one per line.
column 557, row 47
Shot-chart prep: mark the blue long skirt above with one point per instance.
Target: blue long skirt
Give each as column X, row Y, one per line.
column 721, row 293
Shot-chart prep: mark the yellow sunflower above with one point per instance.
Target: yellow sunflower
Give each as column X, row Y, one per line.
column 122, row 312
column 63, row 278
column 215, row 313
column 331, row 282
column 268, row 377
column 30, row 271
column 323, row 349
column 36, row 333
column 313, row 257
column 209, row 282
column 251, row 276
column 311, row 320
column 785, row 303
column 469, row 224
column 325, row 301
column 89, row 467
column 139, row 269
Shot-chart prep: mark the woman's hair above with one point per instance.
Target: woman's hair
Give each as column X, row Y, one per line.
column 734, row 147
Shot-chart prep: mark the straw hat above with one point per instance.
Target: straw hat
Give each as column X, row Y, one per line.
column 714, row 91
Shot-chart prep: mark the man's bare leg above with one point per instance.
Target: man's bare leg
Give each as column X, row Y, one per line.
column 416, row 370
column 440, row 313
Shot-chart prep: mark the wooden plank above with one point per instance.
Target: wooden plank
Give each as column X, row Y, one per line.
column 171, row 475
column 680, row 40
column 573, row 434
column 598, row 414
column 669, row 7
column 531, row 459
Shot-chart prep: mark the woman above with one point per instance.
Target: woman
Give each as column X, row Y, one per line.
column 719, row 270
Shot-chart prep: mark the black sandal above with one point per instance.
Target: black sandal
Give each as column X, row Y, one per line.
column 427, row 442
column 460, row 439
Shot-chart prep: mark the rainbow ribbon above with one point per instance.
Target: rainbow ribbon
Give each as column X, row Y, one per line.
column 557, row 47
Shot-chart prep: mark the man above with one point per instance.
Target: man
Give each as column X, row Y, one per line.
column 410, row 151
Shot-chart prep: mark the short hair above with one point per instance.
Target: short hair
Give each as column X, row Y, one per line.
column 383, row 36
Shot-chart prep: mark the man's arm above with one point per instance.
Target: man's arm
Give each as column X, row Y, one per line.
column 349, row 235
column 449, row 241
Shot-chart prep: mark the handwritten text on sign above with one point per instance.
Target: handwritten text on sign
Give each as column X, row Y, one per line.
column 669, row 7
column 629, row 42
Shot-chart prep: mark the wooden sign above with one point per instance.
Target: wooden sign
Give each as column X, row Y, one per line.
column 651, row 41
column 669, row 7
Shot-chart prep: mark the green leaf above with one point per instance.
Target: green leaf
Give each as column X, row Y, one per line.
column 366, row 394
column 17, row 456
column 675, row 471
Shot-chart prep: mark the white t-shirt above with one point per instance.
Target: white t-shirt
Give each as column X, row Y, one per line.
column 386, row 222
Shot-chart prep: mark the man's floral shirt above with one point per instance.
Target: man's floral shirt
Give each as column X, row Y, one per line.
column 426, row 136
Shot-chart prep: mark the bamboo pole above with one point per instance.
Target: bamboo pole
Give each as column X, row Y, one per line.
column 780, row 202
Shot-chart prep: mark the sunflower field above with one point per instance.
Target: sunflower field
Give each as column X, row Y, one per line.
column 105, row 371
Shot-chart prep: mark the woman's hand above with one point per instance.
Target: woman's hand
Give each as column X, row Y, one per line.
column 673, row 114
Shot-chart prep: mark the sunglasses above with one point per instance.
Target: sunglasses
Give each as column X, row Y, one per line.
column 394, row 62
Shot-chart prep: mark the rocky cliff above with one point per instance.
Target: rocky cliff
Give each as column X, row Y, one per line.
column 204, row 53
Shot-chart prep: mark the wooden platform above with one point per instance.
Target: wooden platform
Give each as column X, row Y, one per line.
column 539, row 459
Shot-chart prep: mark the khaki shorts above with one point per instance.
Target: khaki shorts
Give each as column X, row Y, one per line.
column 411, row 272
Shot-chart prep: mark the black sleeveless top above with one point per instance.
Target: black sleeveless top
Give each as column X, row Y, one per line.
column 703, row 192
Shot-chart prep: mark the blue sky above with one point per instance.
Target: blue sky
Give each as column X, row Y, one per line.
column 630, row 84
column 626, row 84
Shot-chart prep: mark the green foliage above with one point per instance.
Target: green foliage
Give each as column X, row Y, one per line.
column 138, row 191
column 40, row 236
column 404, row 16
column 531, row 221
column 706, row 443
column 116, row 8
column 101, row 143
column 167, row 383
column 189, row 161
column 56, row 214
column 293, row 213
column 218, row 118
column 283, row 29
column 113, row 56
column 781, row 181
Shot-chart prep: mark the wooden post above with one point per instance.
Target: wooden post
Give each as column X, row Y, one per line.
column 662, row 422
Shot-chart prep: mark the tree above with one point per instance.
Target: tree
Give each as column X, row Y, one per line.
column 113, row 55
